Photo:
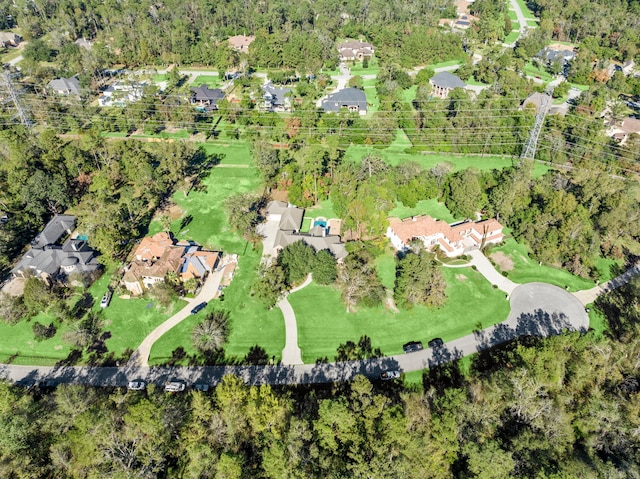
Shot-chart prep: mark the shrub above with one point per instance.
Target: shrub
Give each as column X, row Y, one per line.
column 42, row 332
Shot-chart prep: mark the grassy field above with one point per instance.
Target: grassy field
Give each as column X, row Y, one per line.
column 512, row 37
column 473, row 82
column 212, row 81
column 447, row 63
column 528, row 14
column 373, row 69
column 425, row 207
column 231, row 152
column 512, row 15
column 531, row 70
column 251, row 323
column 373, row 102
column 324, row 208
column 386, row 267
column 159, row 77
column 409, row 94
column 532, row 23
column 323, row 323
column 528, row 270
column 396, row 154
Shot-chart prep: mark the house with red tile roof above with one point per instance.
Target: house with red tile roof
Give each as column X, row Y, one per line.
column 453, row 240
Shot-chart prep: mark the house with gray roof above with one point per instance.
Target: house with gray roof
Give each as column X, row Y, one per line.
column 276, row 99
column 84, row 43
column 556, row 55
column 56, row 255
column 9, row 39
column 65, row 86
column 351, row 99
column 444, row 82
column 205, row 97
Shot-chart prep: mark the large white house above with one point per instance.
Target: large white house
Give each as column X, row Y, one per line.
column 453, row 240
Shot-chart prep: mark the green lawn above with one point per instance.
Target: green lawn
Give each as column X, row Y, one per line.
column 176, row 135
column 446, row 63
column 324, row 208
column 373, row 69
column 395, row 154
column 425, row 207
column 608, row 268
column 473, row 82
column 251, row 323
column 159, row 77
column 512, row 37
column 525, row 10
column 373, row 102
column 528, row 270
column 306, row 225
column 409, row 94
column 232, row 152
column 512, row 15
column 323, row 323
column 386, row 267
column 212, row 81
column 11, row 54
column 532, row 23
column 531, row 70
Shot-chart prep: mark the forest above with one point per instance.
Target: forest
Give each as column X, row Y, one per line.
column 563, row 407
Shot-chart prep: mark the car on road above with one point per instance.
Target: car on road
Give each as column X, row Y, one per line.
column 389, row 375
column 136, row 385
column 412, row 347
column 174, row 386
column 436, row 343
column 106, row 299
column 199, row 307
column 201, row 387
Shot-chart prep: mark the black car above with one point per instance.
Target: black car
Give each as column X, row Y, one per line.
column 436, row 343
column 412, row 347
column 199, row 307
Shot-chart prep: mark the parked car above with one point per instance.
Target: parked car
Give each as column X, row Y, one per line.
column 174, row 386
column 388, row 375
column 136, row 385
column 201, row 387
column 436, row 343
column 106, row 299
column 199, row 307
column 412, row 347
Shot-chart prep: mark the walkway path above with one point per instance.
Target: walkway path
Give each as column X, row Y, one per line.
column 480, row 261
column 588, row 296
column 140, row 356
column 291, row 353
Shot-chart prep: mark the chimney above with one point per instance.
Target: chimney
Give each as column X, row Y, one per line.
column 413, row 218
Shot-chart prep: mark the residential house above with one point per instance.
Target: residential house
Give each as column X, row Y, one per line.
column 443, row 83
column 122, row 92
column 629, row 126
column 84, row 43
column 453, row 240
column 56, row 254
column 9, row 39
column 241, row 42
column 628, row 67
column 276, row 99
column 353, row 50
column 290, row 221
column 351, row 99
column 205, row 97
column 65, row 86
column 159, row 255
column 556, row 54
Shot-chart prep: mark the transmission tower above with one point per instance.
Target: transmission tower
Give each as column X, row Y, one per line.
column 529, row 151
column 12, row 95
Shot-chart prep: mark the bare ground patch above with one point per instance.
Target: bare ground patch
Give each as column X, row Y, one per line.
column 461, row 277
column 172, row 211
column 502, row 260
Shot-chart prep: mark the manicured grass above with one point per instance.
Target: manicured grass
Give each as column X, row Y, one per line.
column 580, row 87
column 409, row 94
column 159, row 77
column 231, row 152
column 531, row 70
column 212, row 81
column 334, row 72
column 306, row 224
column 209, row 226
column 447, row 63
column 323, row 323
column 473, row 82
column 597, row 321
column 425, row 207
column 528, row 270
column 512, row 15
column 373, row 69
column 395, row 154
column 251, row 323
column 386, row 267
column 12, row 54
column 525, row 10
column 324, row 208
column 176, row 135
column 532, row 23
column 373, row 102
column 608, row 268
column 512, row 37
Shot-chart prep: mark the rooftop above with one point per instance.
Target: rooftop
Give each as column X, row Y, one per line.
column 447, row 80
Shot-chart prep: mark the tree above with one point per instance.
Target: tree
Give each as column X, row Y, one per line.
column 297, row 261
column 38, row 296
column 12, row 308
column 359, row 282
column 270, row 285
column 210, row 334
column 419, row 281
column 243, row 211
column 465, row 196
column 324, row 268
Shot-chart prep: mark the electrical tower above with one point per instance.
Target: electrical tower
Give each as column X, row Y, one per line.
column 12, row 95
column 529, row 150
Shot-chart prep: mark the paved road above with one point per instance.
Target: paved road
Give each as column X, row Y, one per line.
column 588, row 296
column 140, row 356
column 291, row 353
column 522, row 20
column 537, row 309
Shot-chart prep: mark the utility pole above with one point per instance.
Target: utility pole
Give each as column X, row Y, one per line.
column 12, row 95
column 529, row 150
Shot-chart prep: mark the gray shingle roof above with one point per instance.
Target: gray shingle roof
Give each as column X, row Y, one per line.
column 66, row 86
column 345, row 98
column 447, row 80
column 54, row 230
column 204, row 93
column 331, row 243
column 291, row 219
column 275, row 95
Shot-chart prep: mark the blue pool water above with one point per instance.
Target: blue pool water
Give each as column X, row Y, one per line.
column 83, row 237
column 323, row 224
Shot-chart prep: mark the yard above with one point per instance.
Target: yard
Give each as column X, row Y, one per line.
column 324, row 324
column 533, row 71
column 373, row 102
column 251, row 323
column 212, row 81
column 430, row 207
column 373, row 68
column 528, row 270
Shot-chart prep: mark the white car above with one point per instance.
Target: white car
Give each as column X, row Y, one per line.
column 174, row 386
column 388, row 375
column 136, row 385
column 106, row 299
